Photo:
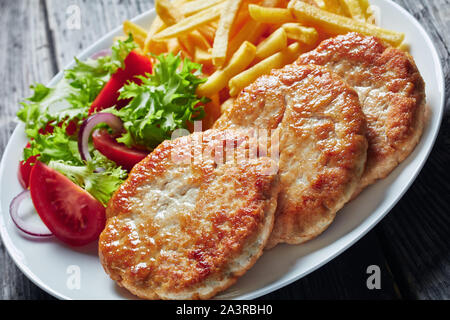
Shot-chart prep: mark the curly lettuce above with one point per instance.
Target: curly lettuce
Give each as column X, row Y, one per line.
column 163, row 102
column 71, row 98
column 69, row 102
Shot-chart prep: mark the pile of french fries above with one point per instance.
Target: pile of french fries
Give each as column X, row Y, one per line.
column 237, row 41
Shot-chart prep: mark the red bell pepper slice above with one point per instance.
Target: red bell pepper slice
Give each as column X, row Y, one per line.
column 135, row 65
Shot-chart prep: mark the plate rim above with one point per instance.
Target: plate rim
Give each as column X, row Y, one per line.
column 277, row 284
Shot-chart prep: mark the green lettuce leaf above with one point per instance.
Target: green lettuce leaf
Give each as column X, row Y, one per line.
column 165, row 101
column 69, row 100
column 54, row 146
column 101, row 184
column 72, row 97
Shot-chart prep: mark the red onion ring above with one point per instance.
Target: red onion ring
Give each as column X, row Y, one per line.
column 101, row 53
column 32, row 229
column 88, row 126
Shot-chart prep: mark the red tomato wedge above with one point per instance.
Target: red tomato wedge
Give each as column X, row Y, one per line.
column 117, row 152
column 72, row 214
column 135, row 65
column 25, row 171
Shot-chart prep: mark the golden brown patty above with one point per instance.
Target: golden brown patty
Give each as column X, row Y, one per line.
column 186, row 223
column 322, row 144
column 391, row 91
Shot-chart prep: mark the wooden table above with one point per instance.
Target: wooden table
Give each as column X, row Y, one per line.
column 411, row 245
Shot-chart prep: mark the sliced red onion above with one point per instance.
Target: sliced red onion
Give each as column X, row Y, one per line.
column 32, row 228
column 101, row 53
column 88, row 126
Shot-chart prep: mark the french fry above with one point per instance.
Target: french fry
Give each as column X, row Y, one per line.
column 173, row 46
column 241, row 59
column 155, row 47
column 208, row 32
column 334, row 24
column 198, row 40
column 369, row 11
column 149, row 44
column 333, row 6
column 296, row 31
column 354, row 9
column 219, row 79
column 139, row 34
column 288, row 55
column 186, row 45
column 190, row 23
column 271, row 3
column 198, row 5
column 227, row 18
column 270, row 15
column 202, row 56
column 405, row 47
column 317, row 3
column 214, row 23
column 157, row 26
column 276, row 42
column 251, row 31
column 242, row 18
column 170, row 15
column 364, row 4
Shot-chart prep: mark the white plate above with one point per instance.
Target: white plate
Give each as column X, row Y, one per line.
column 51, row 265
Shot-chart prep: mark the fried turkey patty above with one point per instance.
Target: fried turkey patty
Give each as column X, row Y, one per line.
column 322, row 144
column 191, row 218
column 391, row 91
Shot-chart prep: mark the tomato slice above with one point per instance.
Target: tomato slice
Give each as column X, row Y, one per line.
column 72, row 214
column 117, row 152
column 25, row 171
column 25, row 167
column 135, row 65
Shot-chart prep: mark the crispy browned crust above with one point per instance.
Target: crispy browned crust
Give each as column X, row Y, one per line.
column 391, row 91
column 196, row 250
column 322, row 144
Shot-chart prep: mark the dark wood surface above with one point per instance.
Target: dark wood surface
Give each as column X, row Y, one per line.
column 411, row 245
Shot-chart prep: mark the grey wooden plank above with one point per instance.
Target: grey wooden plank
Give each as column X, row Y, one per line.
column 434, row 16
column 345, row 277
column 97, row 19
column 416, row 233
column 24, row 59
